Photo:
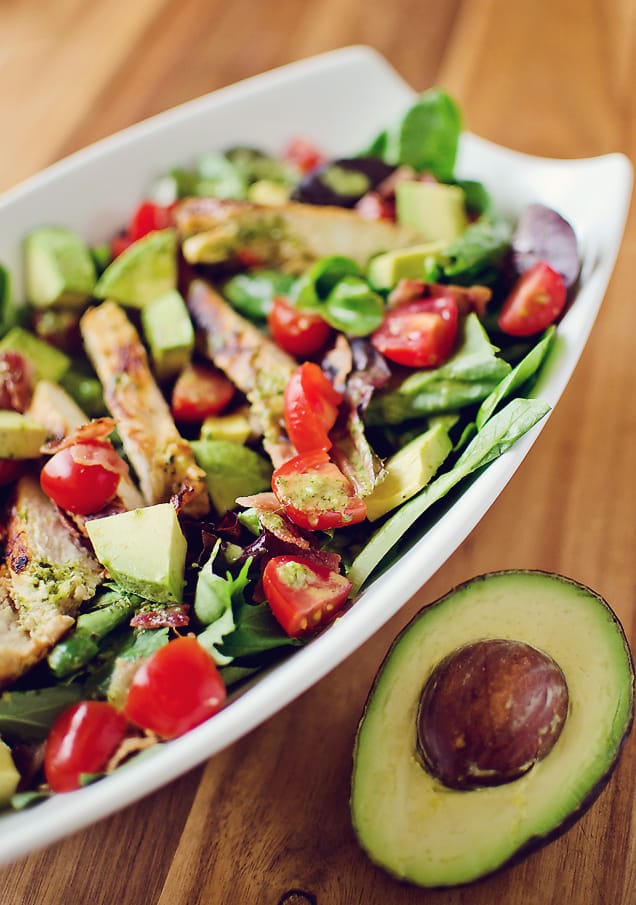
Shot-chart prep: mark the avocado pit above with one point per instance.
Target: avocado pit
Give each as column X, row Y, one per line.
column 489, row 711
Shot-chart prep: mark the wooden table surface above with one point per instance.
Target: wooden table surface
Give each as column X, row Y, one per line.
column 270, row 814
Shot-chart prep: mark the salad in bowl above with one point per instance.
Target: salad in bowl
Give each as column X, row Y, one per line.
column 225, row 419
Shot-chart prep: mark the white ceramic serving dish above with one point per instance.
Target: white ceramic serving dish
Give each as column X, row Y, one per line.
column 340, row 99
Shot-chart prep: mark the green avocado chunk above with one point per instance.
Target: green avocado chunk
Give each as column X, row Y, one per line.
column 231, row 471
column 434, row 832
column 21, row 437
column 9, row 776
column 387, row 269
column 144, row 271
column 408, row 470
column 168, row 329
column 49, row 362
column 144, row 551
column 436, row 211
column 60, row 269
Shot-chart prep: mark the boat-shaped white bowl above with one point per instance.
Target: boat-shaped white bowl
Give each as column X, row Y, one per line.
column 341, row 100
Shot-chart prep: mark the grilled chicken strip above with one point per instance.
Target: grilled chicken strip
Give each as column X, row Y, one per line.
column 162, row 459
column 254, row 364
column 46, row 577
column 288, row 236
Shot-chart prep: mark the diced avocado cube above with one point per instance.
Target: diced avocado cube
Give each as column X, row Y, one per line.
column 387, row 269
column 9, row 775
column 231, row 471
column 234, row 427
column 49, row 363
column 144, row 551
column 433, row 209
column 21, row 437
column 142, row 272
column 169, row 333
column 266, row 191
column 59, row 268
column 409, row 470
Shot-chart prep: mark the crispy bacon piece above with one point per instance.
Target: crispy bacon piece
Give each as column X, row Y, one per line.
column 176, row 615
column 468, row 298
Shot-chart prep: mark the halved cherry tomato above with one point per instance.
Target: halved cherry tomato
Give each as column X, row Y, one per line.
column 303, row 155
column 10, row 470
column 302, row 594
column 147, row 217
column 535, row 301
column 310, row 408
column 419, row 334
column 315, row 494
column 82, row 740
column 175, row 689
column 300, row 333
column 200, row 391
column 83, row 477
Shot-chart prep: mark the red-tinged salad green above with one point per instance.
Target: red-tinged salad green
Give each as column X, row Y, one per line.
column 217, row 426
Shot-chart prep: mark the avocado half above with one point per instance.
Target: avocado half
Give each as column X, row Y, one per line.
column 424, row 831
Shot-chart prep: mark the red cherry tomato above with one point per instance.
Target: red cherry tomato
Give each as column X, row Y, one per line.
column 300, row 333
column 535, row 302
column 83, row 477
column 303, row 155
column 315, row 494
column 149, row 217
column 10, row 470
column 175, row 689
column 310, row 408
column 82, row 740
column 419, row 334
column 303, row 595
column 200, row 390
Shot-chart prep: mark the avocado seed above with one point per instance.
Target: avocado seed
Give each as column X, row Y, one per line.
column 489, row 712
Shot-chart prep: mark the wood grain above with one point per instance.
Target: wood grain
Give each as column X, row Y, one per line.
column 270, row 814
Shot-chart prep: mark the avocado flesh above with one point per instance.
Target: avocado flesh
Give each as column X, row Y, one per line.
column 144, row 271
column 431, row 835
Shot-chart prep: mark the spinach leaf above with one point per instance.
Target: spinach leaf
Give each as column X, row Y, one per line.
column 476, row 255
column 477, row 197
column 256, row 632
column 323, row 276
column 471, row 373
column 353, row 307
column 520, row 374
column 252, row 293
column 30, row 714
column 336, row 289
column 427, row 136
column 497, row 435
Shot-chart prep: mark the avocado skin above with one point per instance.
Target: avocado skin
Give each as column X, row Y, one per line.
column 537, row 841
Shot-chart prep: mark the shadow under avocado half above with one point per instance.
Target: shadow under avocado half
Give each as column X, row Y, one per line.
column 495, row 720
